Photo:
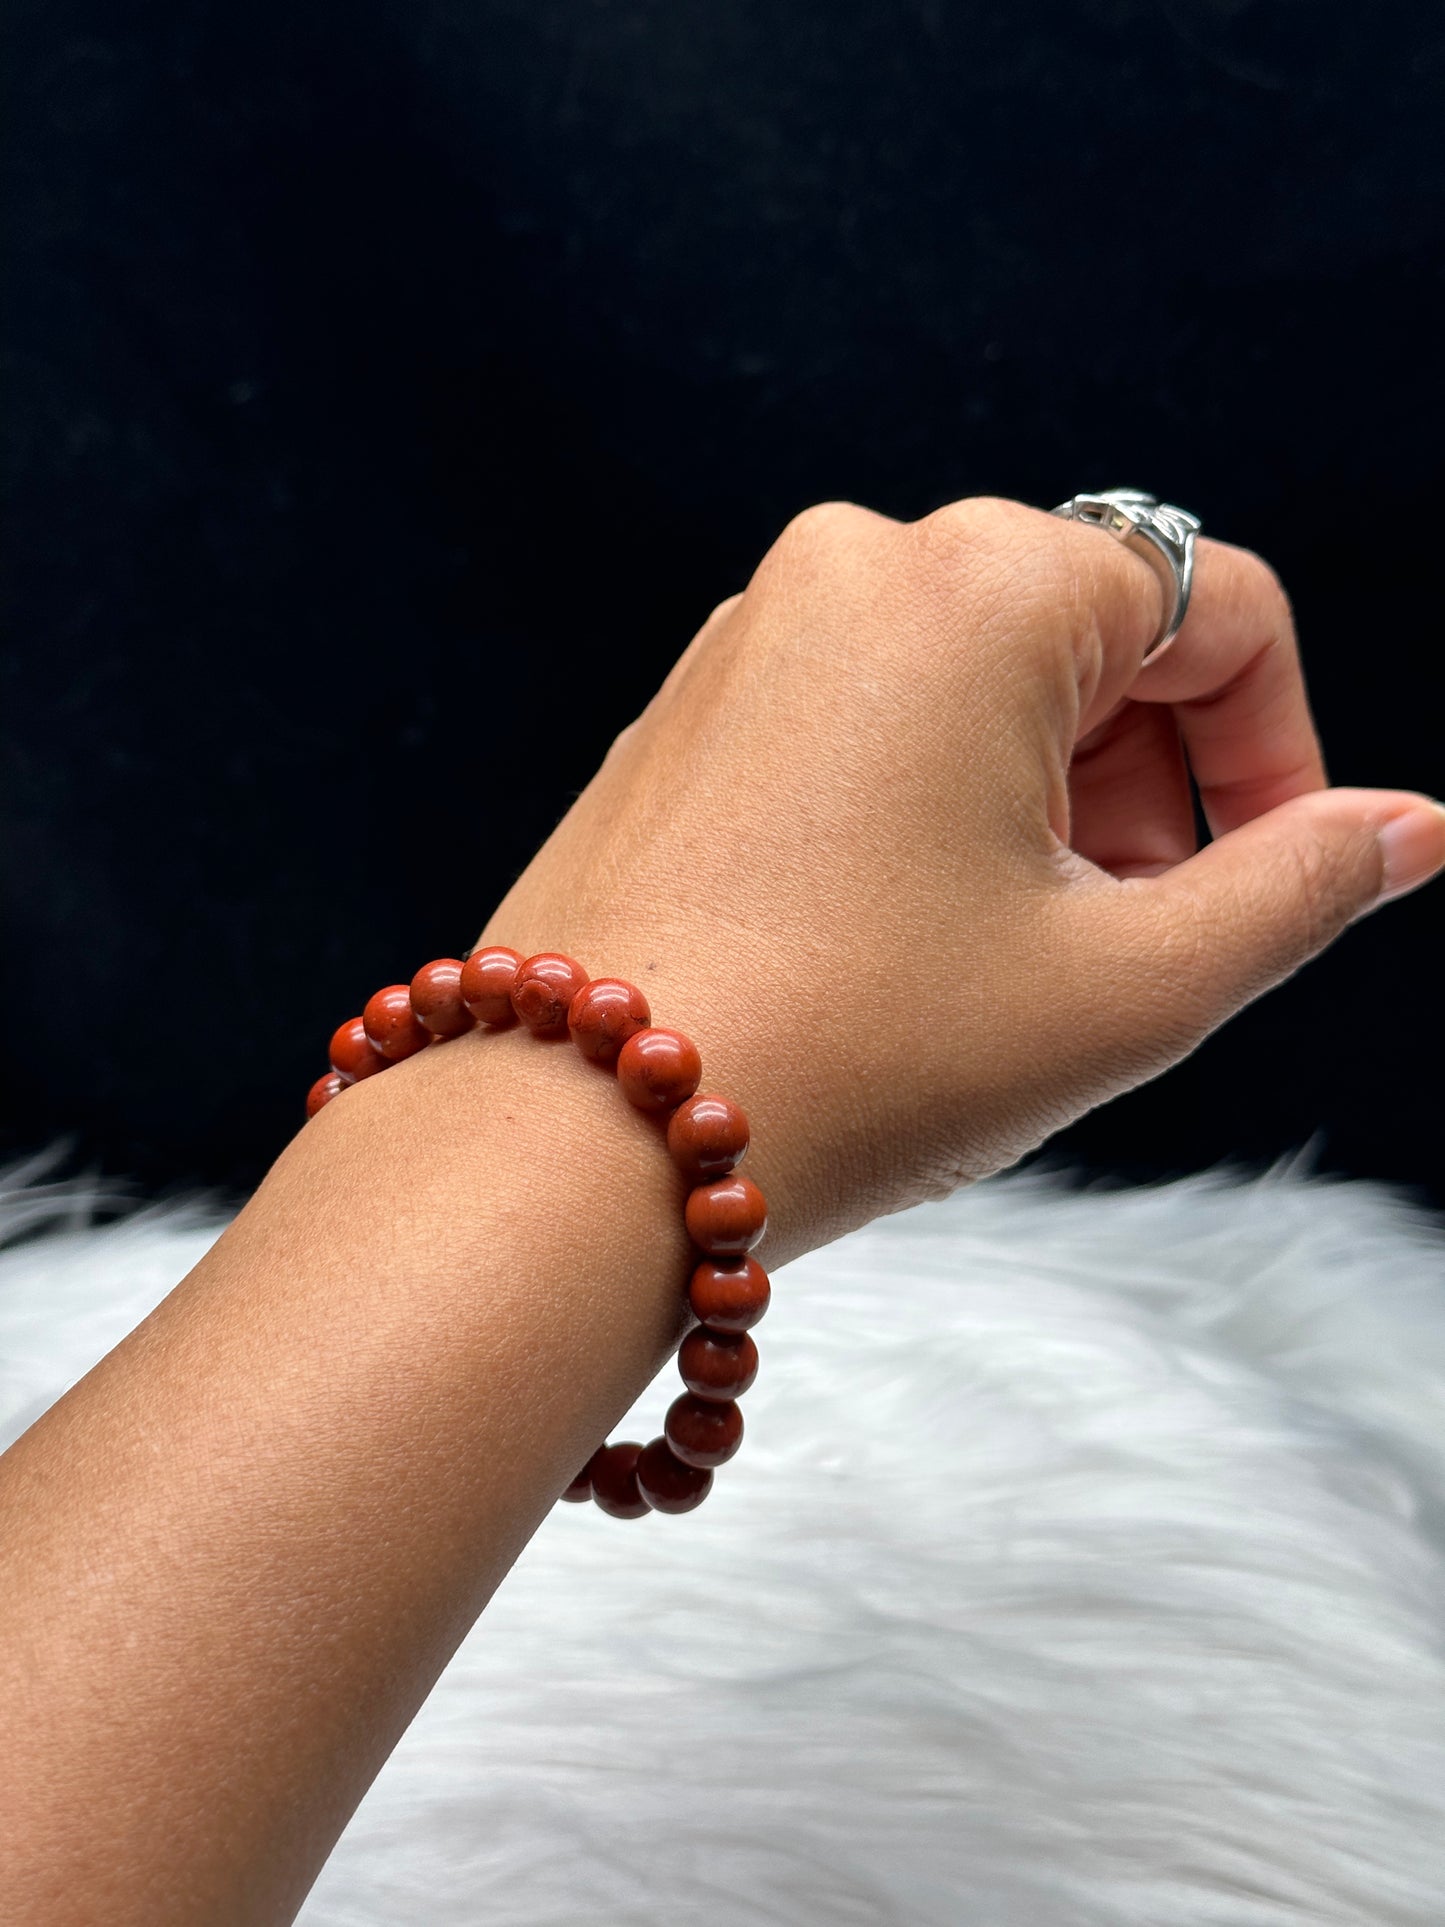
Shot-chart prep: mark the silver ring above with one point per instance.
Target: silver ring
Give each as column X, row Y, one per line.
column 1162, row 534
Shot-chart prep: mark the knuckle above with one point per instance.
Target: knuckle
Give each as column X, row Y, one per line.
column 991, row 534
column 826, row 550
column 724, row 609
column 704, row 644
column 824, row 524
column 620, row 741
column 974, row 523
column 1009, row 567
column 712, row 630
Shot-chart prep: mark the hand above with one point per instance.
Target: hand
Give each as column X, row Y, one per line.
column 905, row 842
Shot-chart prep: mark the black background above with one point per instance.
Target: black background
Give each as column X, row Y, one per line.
column 370, row 368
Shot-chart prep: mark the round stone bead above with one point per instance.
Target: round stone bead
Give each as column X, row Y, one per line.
column 543, row 992
column 353, row 1055
column 703, row 1431
column 581, row 1486
column 603, row 1015
column 727, row 1217
column 436, row 997
column 391, row 1024
column 322, row 1092
column 717, row 1365
column 613, row 1472
column 729, row 1294
column 666, row 1483
column 658, row 1069
column 487, row 979
column 707, row 1137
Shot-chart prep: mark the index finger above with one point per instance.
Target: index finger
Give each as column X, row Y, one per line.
column 1235, row 682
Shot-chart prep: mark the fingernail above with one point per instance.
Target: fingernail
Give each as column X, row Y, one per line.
column 1412, row 847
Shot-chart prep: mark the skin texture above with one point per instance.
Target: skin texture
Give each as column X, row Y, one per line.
column 907, row 838
column 904, row 843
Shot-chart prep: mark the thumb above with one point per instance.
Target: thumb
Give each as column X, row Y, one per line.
column 1257, row 903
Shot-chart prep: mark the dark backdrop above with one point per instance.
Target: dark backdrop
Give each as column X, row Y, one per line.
column 369, row 363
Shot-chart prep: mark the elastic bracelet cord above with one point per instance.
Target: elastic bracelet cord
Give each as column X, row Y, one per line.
column 707, row 1138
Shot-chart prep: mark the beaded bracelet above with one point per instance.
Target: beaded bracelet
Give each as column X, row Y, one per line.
column 707, row 1136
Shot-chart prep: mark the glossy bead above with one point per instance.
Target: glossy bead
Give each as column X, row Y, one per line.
column 702, row 1431
column 666, row 1483
column 487, row 979
column 707, row 1137
column 729, row 1294
column 658, row 1068
column 717, row 1365
column 613, row 1472
column 727, row 1217
column 580, row 1488
column 543, row 992
column 603, row 1015
column 322, row 1092
column 436, row 997
column 391, row 1025
column 353, row 1055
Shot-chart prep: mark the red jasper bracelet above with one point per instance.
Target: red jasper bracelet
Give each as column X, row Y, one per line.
column 707, row 1136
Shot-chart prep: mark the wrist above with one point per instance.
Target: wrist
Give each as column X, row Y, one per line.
column 512, row 1178
column 321, row 1453
column 762, row 1052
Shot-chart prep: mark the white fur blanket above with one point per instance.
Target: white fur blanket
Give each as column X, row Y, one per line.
column 1085, row 1564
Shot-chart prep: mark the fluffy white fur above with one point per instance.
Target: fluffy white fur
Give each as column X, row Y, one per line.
column 1084, row 1563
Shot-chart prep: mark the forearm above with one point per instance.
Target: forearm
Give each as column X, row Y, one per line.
column 238, row 1554
column 831, row 849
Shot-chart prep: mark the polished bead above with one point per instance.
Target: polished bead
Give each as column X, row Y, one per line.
column 613, row 1472
column 729, row 1294
column 322, row 1092
column 603, row 1015
column 666, row 1483
column 391, row 1024
column 353, row 1055
column 707, row 1137
column 717, row 1365
column 581, row 1487
column 658, row 1069
column 487, row 979
column 727, row 1217
column 543, row 992
column 702, row 1431
column 436, row 997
